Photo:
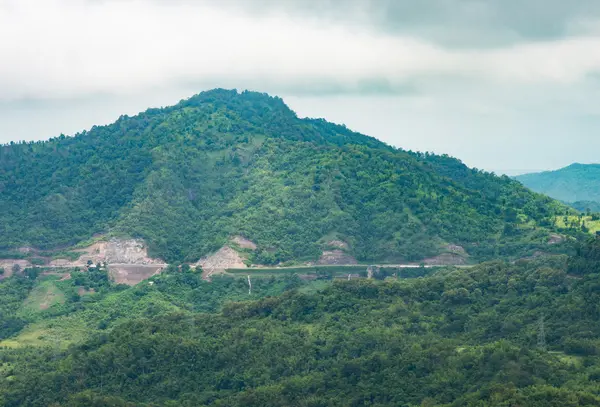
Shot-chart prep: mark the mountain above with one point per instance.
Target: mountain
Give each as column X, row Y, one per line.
column 187, row 178
column 586, row 206
column 577, row 182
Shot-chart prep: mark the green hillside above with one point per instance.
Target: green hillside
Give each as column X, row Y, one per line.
column 498, row 334
column 577, row 182
column 186, row 178
column 586, row 206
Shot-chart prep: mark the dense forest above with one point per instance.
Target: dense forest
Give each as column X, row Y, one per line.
column 186, row 178
column 498, row 334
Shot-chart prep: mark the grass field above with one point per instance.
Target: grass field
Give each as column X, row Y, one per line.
column 63, row 330
column 592, row 225
column 43, row 296
column 59, row 335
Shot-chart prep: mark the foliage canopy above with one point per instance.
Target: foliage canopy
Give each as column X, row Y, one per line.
column 185, row 178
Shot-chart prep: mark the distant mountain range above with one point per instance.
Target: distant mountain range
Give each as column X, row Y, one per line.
column 577, row 184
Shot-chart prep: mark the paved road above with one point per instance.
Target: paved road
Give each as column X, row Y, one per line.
column 404, row 266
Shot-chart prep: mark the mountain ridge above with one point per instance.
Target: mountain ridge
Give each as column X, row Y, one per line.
column 574, row 183
column 186, row 178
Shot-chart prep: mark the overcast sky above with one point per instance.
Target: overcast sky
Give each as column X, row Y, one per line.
column 505, row 85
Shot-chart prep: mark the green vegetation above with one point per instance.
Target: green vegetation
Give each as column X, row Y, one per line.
column 13, row 292
column 188, row 177
column 497, row 334
column 577, row 182
column 51, row 310
column 39, row 257
column 586, row 206
column 43, row 296
column 585, row 223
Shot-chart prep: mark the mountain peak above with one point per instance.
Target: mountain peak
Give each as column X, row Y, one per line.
column 576, row 182
column 580, row 166
column 232, row 98
column 225, row 163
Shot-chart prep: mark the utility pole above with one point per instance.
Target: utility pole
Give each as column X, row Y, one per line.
column 541, row 342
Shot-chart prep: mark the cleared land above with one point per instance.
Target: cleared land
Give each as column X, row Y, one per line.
column 43, row 297
column 565, row 222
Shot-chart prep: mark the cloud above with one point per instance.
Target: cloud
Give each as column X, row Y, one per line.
column 463, row 23
column 484, row 80
column 67, row 48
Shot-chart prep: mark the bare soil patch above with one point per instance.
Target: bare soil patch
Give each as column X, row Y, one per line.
column 8, row 264
column 338, row 244
column 82, row 291
column 243, row 242
column 336, row 257
column 118, row 251
column 132, row 274
column 224, row 258
column 446, row 259
column 555, row 239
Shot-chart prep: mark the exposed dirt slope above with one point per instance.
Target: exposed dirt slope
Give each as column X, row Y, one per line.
column 118, row 251
column 243, row 242
column 336, row 257
column 127, row 260
column 132, row 274
column 221, row 260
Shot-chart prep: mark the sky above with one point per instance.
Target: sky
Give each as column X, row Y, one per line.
column 510, row 86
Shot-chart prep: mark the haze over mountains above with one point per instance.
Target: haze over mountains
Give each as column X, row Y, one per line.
column 187, row 178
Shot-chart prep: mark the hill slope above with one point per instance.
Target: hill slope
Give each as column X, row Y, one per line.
column 188, row 177
column 457, row 338
column 586, row 206
column 577, row 182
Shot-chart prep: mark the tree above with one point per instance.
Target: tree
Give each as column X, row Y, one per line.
column 335, row 181
column 16, row 268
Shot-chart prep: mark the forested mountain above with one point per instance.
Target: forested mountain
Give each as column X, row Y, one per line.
column 499, row 334
column 577, row 182
column 188, row 178
column 185, row 178
column 586, row 206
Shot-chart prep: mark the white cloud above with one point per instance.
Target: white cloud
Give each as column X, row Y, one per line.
column 67, row 48
column 71, row 64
